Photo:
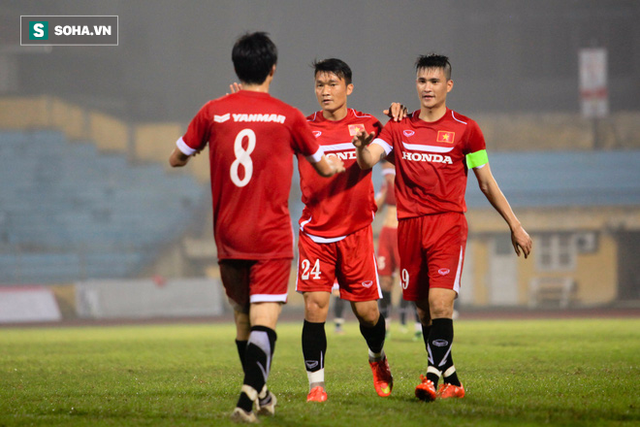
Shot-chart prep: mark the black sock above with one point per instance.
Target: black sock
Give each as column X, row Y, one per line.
column 314, row 345
column 264, row 396
column 450, row 376
column 426, row 330
column 242, row 349
column 439, row 350
column 257, row 364
column 375, row 336
column 385, row 304
column 448, row 369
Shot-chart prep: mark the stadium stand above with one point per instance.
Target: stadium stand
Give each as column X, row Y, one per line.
column 69, row 212
column 563, row 179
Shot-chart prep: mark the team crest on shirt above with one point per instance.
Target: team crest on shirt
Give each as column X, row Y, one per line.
column 354, row 129
column 446, row 136
column 317, row 133
column 408, row 133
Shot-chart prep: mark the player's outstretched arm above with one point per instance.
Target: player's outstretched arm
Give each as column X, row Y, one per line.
column 488, row 185
column 327, row 167
column 367, row 154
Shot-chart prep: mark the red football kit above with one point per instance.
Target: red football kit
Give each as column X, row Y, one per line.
column 252, row 138
column 344, row 203
column 335, row 227
column 431, row 176
column 349, row 261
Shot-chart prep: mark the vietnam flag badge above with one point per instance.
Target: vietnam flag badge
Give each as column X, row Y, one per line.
column 445, row 136
column 353, row 129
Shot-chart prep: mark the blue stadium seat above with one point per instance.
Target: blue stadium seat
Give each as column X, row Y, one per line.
column 69, row 212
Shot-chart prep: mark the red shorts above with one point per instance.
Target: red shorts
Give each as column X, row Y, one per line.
column 431, row 252
column 351, row 261
column 250, row 281
column 388, row 256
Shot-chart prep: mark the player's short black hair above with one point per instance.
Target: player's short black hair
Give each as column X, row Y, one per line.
column 433, row 60
column 335, row 66
column 253, row 56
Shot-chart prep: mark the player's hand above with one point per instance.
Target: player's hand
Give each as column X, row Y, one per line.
column 178, row 159
column 521, row 241
column 396, row 111
column 362, row 139
column 235, row 87
column 336, row 164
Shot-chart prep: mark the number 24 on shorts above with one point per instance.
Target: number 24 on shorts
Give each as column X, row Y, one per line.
column 315, row 271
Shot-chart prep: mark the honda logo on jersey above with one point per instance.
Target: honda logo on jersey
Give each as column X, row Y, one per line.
column 426, row 157
column 343, row 155
column 354, row 129
column 446, row 136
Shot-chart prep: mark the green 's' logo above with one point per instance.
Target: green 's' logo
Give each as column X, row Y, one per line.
column 38, row 30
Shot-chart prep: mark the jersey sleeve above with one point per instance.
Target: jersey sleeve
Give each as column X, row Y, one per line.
column 476, row 149
column 384, row 138
column 197, row 134
column 302, row 139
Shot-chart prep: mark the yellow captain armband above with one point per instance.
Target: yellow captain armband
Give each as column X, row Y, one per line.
column 479, row 158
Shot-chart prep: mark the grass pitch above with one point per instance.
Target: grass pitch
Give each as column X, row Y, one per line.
column 516, row 372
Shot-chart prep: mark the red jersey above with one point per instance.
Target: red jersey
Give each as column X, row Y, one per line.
column 431, row 171
column 344, row 203
column 252, row 139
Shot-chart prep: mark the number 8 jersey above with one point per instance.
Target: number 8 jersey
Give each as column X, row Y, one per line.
column 252, row 140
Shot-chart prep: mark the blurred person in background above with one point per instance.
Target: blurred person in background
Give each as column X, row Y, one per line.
column 388, row 256
column 338, row 310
